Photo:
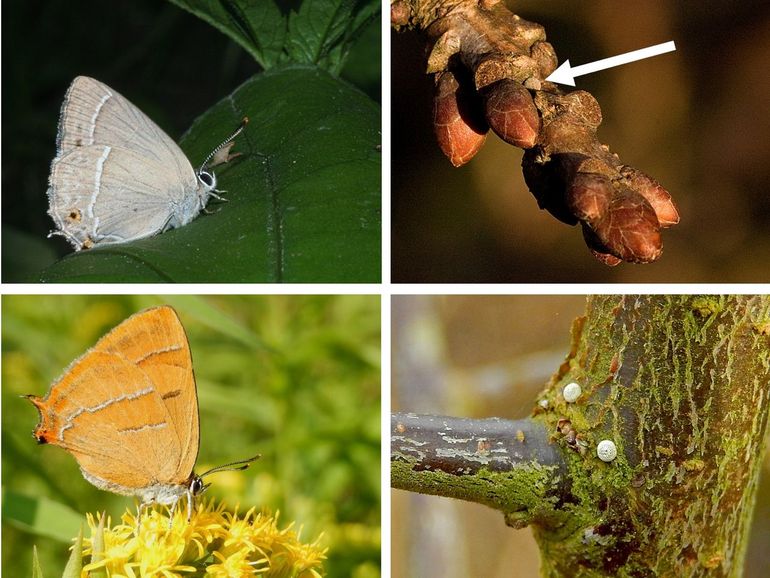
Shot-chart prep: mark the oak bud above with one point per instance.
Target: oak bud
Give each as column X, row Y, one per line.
column 458, row 124
column 656, row 195
column 511, row 113
column 630, row 229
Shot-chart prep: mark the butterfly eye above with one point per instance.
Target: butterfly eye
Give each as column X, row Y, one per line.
column 197, row 486
column 206, row 178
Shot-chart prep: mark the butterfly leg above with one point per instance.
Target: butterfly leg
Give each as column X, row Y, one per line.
column 139, row 510
column 213, row 194
column 190, row 502
column 171, row 514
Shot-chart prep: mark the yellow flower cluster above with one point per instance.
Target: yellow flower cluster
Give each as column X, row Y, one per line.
column 214, row 544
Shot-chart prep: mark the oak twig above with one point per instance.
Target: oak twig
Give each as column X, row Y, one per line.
column 489, row 67
column 507, row 465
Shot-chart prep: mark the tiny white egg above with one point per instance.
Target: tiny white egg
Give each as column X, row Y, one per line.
column 606, row 450
column 543, row 403
column 571, row 392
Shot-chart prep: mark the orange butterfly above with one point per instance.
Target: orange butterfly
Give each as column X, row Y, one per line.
column 127, row 410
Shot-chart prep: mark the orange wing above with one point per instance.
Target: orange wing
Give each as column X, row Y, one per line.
column 127, row 409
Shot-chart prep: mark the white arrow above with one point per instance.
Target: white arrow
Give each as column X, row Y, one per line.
column 565, row 74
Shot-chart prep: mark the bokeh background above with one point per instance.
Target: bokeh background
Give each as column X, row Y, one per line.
column 697, row 120
column 166, row 61
column 294, row 378
column 487, row 356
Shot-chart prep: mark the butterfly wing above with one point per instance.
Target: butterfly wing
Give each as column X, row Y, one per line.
column 105, row 412
column 155, row 341
column 116, row 176
column 94, row 113
column 102, row 195
column 127, row 409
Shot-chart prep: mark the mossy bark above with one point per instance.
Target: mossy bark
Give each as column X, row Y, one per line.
column 681, row 385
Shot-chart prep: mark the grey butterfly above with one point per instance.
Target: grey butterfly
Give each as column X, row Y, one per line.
column 117, row 177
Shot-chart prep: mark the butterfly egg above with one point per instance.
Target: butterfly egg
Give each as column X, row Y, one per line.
column 606, row 450
column 571, row 392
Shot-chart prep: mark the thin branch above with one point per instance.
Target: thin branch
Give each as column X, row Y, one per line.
column 508, row 465
column 490, row 67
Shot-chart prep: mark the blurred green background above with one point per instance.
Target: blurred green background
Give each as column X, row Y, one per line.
column 294, row 378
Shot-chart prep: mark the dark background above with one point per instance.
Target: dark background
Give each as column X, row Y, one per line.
column 169, row 63
column 697, row 120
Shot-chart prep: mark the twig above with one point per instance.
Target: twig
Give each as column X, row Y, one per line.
column 489, row 67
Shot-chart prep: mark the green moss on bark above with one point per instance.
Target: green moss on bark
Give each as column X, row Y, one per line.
column 680, row 384
column 514, row 493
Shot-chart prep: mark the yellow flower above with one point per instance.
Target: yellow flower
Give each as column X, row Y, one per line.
column 214, row 544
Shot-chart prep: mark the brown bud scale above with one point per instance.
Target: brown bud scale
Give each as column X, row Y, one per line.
column 599, row 251
column 511, row 113
column 457, row 123
column 399, row 13
column 589, row 196
column 656, row 195
column 545, row 56
column 630, row 229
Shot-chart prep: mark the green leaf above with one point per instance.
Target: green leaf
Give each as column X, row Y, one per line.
column 363, row 20
column 316, row 30
column 75, row 561
column 37, row 571
column 303, row 200
column 40, row 516
column 257, row 25
column 319, row 32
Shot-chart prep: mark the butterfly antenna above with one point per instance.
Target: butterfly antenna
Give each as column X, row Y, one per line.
column 227, row 141
column 239, row 465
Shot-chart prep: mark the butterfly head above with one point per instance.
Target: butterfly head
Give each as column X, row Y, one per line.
column 197, row 486
column 218, row 156
column 208, row 181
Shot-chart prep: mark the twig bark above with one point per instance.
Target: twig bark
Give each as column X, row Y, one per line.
column 508, row 465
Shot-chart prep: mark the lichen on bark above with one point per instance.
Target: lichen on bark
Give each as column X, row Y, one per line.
column 681, row 385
